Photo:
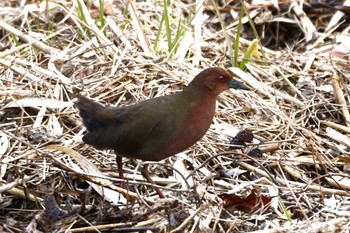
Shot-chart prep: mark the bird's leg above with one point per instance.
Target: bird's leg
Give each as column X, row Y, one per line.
column 145, row 173
column 120, row 166
column 120, row 169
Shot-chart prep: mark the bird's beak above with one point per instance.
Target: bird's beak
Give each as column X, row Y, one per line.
column 238, row 85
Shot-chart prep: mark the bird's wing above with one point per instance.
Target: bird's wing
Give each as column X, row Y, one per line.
column 137, row 125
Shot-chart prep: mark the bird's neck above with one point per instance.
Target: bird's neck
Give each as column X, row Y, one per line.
column 200, row 94
column 201, row 102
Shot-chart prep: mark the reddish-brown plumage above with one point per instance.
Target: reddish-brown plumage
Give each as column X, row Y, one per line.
column 157, row 128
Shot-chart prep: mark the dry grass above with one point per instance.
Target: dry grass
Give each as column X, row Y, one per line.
column 298, row 112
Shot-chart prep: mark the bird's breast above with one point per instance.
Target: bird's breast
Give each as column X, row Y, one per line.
column 197, row 122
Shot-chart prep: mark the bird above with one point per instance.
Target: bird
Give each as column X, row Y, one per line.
column 157, row 128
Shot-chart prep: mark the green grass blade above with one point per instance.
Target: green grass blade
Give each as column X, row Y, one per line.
column 101, row 16
column 156, row 43
column 167, row 25
column 285, row 210
column 248, row 54
column 252, row 25
column 238, row 35
column 227, row 37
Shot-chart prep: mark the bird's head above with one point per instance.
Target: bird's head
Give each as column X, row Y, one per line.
column 216, row 80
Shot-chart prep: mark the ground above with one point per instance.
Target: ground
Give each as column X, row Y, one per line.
column 294, row 174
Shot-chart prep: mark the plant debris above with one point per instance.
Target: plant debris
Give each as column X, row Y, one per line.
column 131, row 51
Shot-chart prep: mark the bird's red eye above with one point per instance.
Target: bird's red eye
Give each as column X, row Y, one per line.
column 221, row 79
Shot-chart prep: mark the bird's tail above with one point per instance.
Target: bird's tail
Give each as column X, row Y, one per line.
column 90, row 112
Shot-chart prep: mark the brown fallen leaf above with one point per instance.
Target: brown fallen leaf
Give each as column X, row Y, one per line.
column 251, row 203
